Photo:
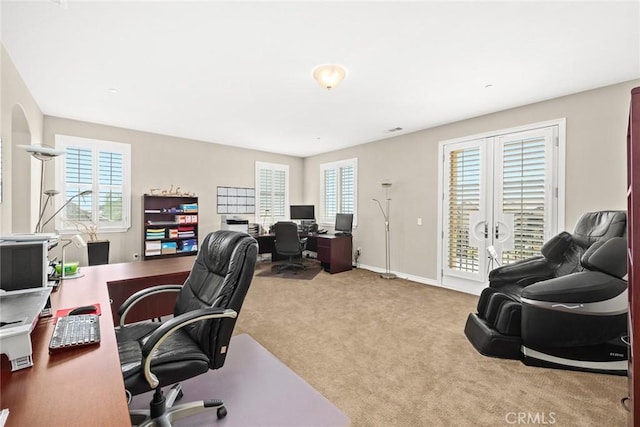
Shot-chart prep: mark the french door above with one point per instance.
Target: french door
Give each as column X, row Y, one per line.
column 499, row 202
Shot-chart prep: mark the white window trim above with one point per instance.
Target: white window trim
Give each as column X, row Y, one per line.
column 337, row 165
column 272, row 166
column 63, row 141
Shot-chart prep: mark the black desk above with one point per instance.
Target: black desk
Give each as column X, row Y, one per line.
column 334, row 252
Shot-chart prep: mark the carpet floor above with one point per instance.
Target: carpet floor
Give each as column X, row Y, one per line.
column 393, row 353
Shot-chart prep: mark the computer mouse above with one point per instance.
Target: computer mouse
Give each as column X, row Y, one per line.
column 85, row 309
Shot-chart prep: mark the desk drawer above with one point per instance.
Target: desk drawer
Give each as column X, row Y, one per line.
column 324, row 250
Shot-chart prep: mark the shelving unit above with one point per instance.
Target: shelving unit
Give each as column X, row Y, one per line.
column 170, row 226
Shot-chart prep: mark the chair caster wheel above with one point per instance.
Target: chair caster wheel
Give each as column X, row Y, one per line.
column 222, row 412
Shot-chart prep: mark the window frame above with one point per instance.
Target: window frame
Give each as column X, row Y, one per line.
column 96, row 146
column 273, row 167
column 558, row 147
column 337, row 165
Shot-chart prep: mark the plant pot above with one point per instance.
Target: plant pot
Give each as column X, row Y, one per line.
column 98, row 252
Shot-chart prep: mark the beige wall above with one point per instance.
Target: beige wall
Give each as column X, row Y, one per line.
column 595, row 169
column 21, row 123
column 160, row 161
column 595, row 173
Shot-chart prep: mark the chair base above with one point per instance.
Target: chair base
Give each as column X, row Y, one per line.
column 291, row 265
column 162, row 412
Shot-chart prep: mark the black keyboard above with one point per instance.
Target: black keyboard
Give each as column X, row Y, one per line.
column 74, row 331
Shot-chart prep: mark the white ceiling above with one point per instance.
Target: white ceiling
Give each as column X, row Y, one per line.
column 240, row 73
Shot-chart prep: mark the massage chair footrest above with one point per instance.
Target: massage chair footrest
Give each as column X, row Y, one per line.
column 490, row 342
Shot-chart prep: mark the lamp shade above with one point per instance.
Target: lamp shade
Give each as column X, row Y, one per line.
column 329, row 75
column 42, row 152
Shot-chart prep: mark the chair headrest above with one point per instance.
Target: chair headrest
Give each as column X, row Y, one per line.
column 602, row 225
column 607, row 256
column 217, row 249
column 283, row 225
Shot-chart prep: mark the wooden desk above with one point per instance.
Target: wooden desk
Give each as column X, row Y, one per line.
column 82, row 386
column 334, row 252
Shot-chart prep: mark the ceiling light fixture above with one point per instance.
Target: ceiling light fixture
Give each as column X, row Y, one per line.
column 329, row 75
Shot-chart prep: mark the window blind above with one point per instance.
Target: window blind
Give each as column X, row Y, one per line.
column 111, row 180
column 272, row 193
column 523, row 195
column 347, row 189
column 106, row 183
column 464, row 198
column 78, row 178
column 330, row 193
column 339, row 188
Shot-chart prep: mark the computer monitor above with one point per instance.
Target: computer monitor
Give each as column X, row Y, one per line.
column 344, row 224
column 302, row 212
column 23, row 265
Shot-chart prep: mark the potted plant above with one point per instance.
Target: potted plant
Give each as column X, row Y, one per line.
column 97, row 250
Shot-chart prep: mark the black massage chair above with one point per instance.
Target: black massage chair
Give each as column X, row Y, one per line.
column 566, row 308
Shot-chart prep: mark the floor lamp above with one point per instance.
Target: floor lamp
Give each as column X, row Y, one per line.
column 42, row 153
column 387, row 274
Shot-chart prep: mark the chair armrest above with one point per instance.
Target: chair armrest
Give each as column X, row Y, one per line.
column 160, row 335
column 128, row 304
column 523, row 272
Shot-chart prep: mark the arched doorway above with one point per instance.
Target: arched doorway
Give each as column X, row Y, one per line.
column 21, row 198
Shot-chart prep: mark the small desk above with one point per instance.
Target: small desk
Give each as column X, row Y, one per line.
column 334, row 252
column 82, row 386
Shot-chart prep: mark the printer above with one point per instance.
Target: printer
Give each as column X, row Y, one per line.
column 235, row 223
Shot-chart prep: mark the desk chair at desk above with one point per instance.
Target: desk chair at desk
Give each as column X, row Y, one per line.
column 288, row 243
column 155, row 355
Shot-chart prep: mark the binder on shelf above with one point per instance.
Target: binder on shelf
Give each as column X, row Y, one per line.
column 152, row 248
column 188, row 245
column 185, row 231
column 189, row 207
column 155, row 233
column 186, row 219
column 169, row 248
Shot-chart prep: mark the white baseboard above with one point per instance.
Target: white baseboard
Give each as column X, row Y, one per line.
column 420, row 279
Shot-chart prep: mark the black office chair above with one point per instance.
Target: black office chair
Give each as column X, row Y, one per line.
column 154, row 355
column 289, row 244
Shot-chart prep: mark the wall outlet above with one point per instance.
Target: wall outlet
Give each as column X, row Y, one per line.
column 358, row 252
column 136, row 256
